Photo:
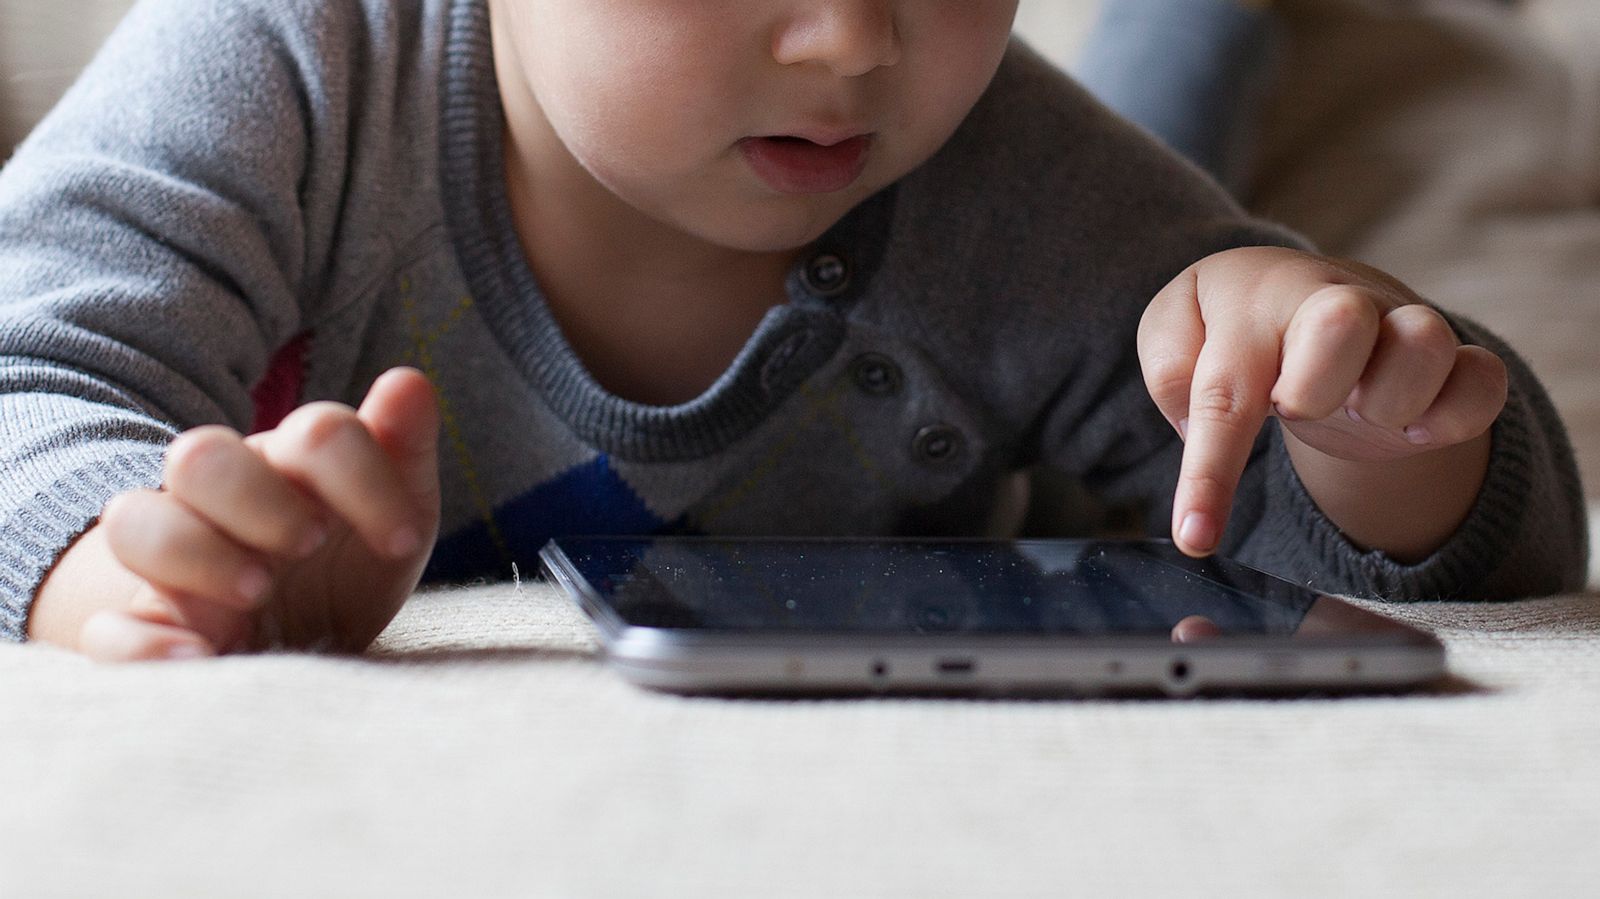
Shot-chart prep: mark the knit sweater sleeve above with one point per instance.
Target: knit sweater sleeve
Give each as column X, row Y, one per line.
column 1524, row 536
column 153, row 252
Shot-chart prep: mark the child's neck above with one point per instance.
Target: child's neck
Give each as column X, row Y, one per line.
column 656, row 315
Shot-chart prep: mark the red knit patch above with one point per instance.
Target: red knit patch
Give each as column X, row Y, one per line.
column 278, row 392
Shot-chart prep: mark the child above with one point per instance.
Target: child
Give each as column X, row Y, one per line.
column 724, row 266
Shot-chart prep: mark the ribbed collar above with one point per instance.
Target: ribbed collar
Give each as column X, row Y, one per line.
column 790, row 345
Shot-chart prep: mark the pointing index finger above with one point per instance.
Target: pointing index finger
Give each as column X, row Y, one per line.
column 1171, row 334
column 1228, row 403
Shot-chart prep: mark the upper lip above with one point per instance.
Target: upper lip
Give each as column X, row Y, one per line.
column 822, row 136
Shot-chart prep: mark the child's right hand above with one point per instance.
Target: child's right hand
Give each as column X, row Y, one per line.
column 307, row 536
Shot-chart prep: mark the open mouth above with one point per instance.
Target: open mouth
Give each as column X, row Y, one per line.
column 797, row 165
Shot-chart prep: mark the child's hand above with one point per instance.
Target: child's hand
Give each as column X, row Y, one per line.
column 310, row 535
column 1362, row 375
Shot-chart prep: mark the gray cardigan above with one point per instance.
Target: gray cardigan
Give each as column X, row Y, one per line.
column 246, row 204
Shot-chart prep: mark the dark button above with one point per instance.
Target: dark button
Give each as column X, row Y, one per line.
column 826, row 275
column 938, row 443
column 876, row 374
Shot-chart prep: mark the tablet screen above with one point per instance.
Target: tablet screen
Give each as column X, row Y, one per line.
column 1049, row 587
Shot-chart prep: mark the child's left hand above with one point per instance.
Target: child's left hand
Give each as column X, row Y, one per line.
column 1354, row 365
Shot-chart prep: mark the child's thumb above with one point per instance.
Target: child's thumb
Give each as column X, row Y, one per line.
column 402, row 412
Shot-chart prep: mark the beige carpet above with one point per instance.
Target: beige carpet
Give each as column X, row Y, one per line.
column 482, row 751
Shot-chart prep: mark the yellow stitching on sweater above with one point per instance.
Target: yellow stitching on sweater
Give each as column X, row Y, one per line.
column 819, row 404
column 863, row 458
column 423, row 342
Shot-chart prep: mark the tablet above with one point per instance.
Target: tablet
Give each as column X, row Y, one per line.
column 714, row 615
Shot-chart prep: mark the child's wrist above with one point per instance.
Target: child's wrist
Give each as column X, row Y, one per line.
column 1406, row 508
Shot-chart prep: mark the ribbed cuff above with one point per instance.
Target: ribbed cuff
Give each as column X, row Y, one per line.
column 36, row 536
column 1524, row 457
column 1463, row 563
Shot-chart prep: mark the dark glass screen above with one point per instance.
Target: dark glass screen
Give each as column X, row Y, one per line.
column 1080, row 587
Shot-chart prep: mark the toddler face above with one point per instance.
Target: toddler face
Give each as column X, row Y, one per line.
column 752, row 124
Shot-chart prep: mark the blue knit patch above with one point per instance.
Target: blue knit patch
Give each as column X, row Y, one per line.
column 588, row 499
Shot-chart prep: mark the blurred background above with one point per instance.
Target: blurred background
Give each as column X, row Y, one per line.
column 1455, row 143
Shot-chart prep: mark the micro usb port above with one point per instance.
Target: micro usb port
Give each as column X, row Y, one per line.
column 955, row 667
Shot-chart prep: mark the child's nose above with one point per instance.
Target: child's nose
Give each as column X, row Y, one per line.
column 851, row 37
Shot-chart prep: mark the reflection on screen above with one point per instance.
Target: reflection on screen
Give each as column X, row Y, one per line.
column 1082, row 587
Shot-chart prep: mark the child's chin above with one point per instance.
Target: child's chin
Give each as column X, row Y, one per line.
column 777, row 227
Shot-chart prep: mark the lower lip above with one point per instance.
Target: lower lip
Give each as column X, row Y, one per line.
column 802, row 167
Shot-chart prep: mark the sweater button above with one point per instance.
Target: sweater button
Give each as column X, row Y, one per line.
column 826, row 275
column 876, row 375
column 937, row 444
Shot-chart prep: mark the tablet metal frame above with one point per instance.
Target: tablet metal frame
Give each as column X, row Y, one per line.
column 691, row 662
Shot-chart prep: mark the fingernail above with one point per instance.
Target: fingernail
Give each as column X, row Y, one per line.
column 254, row 583
column 1183, row 428
column 1198, row 531
column 1418, row 435
column 312, row 541
column 1352, row 414
column 404, row 542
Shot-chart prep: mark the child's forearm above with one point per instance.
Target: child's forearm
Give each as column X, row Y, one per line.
column 1406, row 509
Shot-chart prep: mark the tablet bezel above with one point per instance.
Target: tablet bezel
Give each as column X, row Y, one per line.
column 810, row 662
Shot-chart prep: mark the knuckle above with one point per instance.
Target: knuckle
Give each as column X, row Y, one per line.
column 317, row 426
column 1167, row 378
column 1345, row 305
column 135, row 538
column 286, row 532
column 1206, row 482
column 1337, row 293
column 1220, row 401
column 1475, row 406
column 119, row 513
column 199, row 453
column 1491, row 372
column 274, row 528
column 1421, row 328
